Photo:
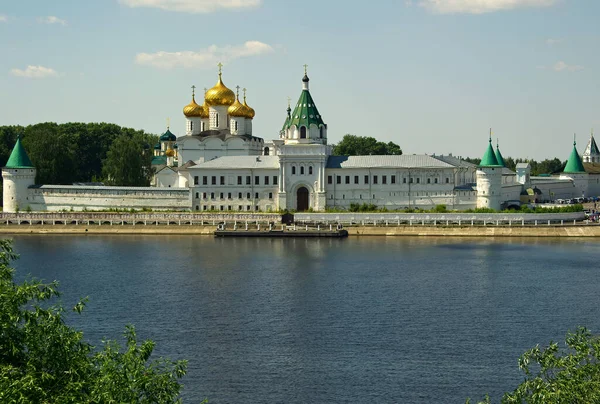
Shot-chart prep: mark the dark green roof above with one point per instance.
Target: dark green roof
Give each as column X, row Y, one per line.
column 574, row 165
column 305, row 113
column 19, row 158
column 157, row 146
column 489, row 157
column 286, row 124
column 499, row 157
column 159, row 160
column 168, row 136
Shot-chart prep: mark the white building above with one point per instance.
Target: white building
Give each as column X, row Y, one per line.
column 219, row 165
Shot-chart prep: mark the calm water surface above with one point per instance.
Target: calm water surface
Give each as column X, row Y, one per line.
column 378, row 320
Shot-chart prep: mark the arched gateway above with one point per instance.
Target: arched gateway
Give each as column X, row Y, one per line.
column 302, row 199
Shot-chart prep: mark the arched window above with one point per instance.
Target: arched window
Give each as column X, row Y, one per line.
column 309, row 170
column 217, row 120
column 266, row 151
column 303, row 132
column 321, row 131
column 202, row 128
column 235, row 125
column 191, row 126
column 301, row 170
column 293, row 170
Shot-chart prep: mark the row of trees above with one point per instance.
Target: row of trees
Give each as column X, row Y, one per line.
column 547, row 166
column 83, row 152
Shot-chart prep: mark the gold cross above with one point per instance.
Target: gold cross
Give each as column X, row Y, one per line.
column 193, row 91
column 244, row 94
column 205, row 90
column 237, row 93
column 305, row 67
column 168, row 122
column 220, row 67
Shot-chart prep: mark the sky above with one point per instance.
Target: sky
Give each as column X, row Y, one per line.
column 430, row 75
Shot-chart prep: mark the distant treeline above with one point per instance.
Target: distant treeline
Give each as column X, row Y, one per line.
column 83, row 152
column 548, row 166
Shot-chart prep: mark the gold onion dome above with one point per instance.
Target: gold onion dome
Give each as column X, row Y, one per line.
column 193, row 109
column 205, row 113
column 251, row 112
column 170, row 152
column 237, row 109
column 219, row 94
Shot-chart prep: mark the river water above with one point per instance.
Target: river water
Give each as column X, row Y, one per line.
column 378, row 320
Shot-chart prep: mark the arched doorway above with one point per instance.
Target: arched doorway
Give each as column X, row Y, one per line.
column 302, row 199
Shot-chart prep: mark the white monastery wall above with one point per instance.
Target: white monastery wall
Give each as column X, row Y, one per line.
column 77, row 198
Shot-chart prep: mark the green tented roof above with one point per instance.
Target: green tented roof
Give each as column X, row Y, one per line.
column 574, row 165
column 489, row 157
column 305, row 113
column 168, row 136
column 499, row 157
column 286, row 124
column 159, row 160
column 19, row 158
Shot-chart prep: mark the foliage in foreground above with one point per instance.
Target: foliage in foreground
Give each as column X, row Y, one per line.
column 554, row 376
column 42, row 360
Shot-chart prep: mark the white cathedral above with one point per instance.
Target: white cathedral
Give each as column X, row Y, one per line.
column 219, row 165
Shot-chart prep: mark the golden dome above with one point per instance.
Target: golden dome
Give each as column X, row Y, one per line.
column 192, row 109
column 204, row 114
column 219, row 94
column 170, row 152
column 251, row 112
column 237, row 109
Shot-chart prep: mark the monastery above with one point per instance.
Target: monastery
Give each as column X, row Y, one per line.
column 220, row 165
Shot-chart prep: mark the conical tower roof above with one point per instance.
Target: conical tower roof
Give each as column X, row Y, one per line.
column 591, row 148
column 574, row 164
column 306, row 112
column 499, row 157
column 489, row 157
column 19, row 158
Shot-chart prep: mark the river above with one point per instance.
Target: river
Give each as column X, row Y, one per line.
column 379, row 320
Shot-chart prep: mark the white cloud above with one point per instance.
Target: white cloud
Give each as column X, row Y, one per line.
column 52, row 20
column 3, row 18
column 561, row 66
column 34, row 72
column 553, row 41
column 194, row 6
column 480, row 6
column 208, row 57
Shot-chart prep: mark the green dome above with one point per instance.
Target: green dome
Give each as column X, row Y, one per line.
column 19, row 158
column 168, row 137
column 489, row 157
column 574, row 165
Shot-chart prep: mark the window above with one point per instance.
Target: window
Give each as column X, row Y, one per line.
column 374, row 179
column 222, row 180
column 338, row 179
column 347, row 179
column 204, row 195
column 212, row 195
column 197, row 207
column 384, row 179
column 213, row 180
column 248, row 195
column 256, row 180
column 435, row 180
column 239, row 180
column 410, row 180
column 204, row 180
column 404, row 180
column 222, row 207
column 310, row 170
column 321, row 132
column 256, row 195
column 248, row 180
column 247, row 207
column 266, row 180
column 217, row 120
column 270, row 195
column 196, row 180
column 447, row 180
column 356, row 179
column 429, row 180
column 293, row 170
column 329, row 179
column 229, row 196
column 203, row 129
column 240, row 207
column 234, row 128
column 204, row 207
column 393, row 179
column 229, row 207
column 366, row 179
column 221, row 195
column 240, row 197
column 266, row 151
column 197, row 195
column 303, row 132
column 301, row 170
column 274, row 180
column 256, row 208
column 418, row 180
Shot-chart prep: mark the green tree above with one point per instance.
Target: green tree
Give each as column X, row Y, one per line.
column 129, row 160
column 42, row 360
column 553, row 376
column 352, row 145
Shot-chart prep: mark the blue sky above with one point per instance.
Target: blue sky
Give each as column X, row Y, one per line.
column 430, row 75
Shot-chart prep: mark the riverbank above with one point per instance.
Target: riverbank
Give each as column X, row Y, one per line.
column 360, row 231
